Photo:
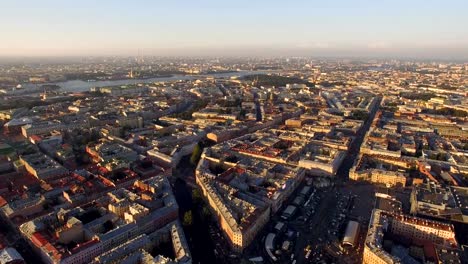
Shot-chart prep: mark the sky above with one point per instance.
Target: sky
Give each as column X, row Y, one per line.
column 394, row 28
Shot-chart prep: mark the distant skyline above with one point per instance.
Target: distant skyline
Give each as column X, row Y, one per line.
column 414, row 28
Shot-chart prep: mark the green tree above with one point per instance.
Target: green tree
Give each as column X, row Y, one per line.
column 205, row 211
column 188, row 219
column 196, row 153
column 196, row 195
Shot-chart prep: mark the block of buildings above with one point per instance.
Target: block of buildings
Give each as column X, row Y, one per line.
column 42, row 166
column 243, row 192
column 397, row 238
column 98, row 230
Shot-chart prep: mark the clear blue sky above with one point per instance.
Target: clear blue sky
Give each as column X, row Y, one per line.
column 201, row 27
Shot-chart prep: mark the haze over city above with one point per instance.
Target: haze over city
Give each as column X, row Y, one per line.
column 415, row 29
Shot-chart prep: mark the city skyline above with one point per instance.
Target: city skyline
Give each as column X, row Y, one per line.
column 420, row 29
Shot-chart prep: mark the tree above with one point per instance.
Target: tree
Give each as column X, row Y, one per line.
column 275, row 80
column 359, row 115
column 451, row 112
column 196, row 195
column 196, row 153
column 417, row 96
column 188, row 219
column 205, row 211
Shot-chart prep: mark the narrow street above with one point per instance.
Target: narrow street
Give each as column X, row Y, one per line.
column 353, row 152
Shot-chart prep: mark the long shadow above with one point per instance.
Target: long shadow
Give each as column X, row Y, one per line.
column 201, row 245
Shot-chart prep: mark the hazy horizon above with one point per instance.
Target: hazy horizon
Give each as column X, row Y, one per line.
column 339, row 28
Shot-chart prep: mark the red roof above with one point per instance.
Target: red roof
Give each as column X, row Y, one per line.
column 84, row 245
column 38, row 239
column 2, row 201
column 35, row 138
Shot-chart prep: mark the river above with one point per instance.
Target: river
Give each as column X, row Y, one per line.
column 81, row 86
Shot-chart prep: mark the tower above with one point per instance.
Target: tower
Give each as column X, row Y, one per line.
column 44, row 95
